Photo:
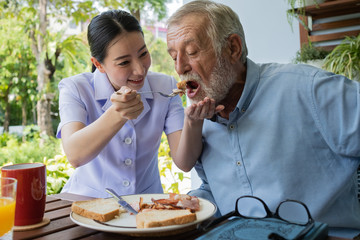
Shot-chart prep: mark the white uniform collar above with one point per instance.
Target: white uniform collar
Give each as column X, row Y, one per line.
column 103, row 90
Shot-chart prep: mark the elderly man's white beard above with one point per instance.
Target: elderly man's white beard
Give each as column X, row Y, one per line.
column 221, row 80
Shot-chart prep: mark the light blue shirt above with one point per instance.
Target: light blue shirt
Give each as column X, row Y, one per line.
column 129, row 162
column 295, row 134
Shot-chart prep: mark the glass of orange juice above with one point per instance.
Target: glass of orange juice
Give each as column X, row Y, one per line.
column 7, row 206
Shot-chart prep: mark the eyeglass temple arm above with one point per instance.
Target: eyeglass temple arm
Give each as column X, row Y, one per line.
column 216, row 221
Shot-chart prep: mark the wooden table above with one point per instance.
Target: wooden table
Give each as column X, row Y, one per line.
column 58, row 209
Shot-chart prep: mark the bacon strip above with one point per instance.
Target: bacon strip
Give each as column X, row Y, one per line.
column 175, row 201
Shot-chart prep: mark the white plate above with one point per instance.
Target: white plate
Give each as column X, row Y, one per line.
column 126, row 223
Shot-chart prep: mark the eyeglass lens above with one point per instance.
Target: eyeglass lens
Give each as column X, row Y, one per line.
column 251, row 208
column 293, row 212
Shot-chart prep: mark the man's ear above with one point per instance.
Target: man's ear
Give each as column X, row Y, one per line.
column 97, row 64
column 234, row 47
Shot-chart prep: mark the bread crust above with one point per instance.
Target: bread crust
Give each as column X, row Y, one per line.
column 149, row 219
column 79, row 208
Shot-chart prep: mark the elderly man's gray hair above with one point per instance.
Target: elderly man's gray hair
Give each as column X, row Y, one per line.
column 223, row 22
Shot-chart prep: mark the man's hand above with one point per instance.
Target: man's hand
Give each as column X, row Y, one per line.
column 203, row 109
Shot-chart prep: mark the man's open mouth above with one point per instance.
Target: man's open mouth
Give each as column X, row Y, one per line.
column 192, row 87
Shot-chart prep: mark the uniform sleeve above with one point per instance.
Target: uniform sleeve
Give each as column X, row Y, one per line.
column 336, row 108
column 71, row 108
column 175, row 115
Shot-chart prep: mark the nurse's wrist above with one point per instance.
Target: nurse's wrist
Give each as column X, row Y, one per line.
column 115, row 116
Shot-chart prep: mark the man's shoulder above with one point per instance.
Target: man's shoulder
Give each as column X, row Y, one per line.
column 292, row 74
column 271, row 69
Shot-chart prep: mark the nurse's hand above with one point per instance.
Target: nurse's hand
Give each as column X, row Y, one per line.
column 203, row 109
column 127, row 103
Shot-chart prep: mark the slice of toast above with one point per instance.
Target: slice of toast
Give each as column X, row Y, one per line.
column 160, row 218
column 98, row 209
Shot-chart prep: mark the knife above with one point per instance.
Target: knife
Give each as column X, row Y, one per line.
column 121, row 201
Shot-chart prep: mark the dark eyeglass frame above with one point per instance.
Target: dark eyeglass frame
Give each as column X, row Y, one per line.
column 274, row 236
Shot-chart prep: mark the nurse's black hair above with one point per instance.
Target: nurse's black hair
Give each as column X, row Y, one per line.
column 105, row 27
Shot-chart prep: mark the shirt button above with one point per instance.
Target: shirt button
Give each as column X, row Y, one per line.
column 243, row 110
column 128, row 140
column 126, row 183
column 128, row 162
column 238, row 163
column 232, row 127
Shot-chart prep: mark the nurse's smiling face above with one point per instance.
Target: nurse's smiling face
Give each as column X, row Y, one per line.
column 127, row 61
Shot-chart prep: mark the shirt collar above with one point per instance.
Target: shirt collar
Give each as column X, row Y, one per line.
column 251, row 83
column 104, row 89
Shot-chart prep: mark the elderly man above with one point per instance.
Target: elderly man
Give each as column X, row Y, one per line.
column 278, row 131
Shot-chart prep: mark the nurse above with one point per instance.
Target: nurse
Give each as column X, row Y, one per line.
column 110, row 132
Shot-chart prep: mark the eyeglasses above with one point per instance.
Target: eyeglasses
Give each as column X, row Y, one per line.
column 290, row 211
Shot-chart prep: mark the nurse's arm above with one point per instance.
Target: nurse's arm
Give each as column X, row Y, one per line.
column 83, row 143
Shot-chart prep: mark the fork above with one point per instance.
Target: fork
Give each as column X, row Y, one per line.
column 173, row 94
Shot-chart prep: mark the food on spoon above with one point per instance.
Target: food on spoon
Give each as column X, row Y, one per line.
column 181, row 88
column 99, row 209
column 181, row 85
column 159, row 218
column 178, row 91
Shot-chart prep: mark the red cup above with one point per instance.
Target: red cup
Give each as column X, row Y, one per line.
column 31, row 191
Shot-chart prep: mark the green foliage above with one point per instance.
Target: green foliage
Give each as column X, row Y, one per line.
column 160, row 58
column 170, row 178
column 14, row 151
column 4, row 138
column 75, row 55
column 136, row 6
column 17, row 71
column 59, row 171
column 31, row 132
column 298, row 5
column 345, row 58
column 309, row 52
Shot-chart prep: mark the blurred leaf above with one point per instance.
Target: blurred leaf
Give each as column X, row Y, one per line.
column 345, row 58
column 14, row 151
column 170, row 179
